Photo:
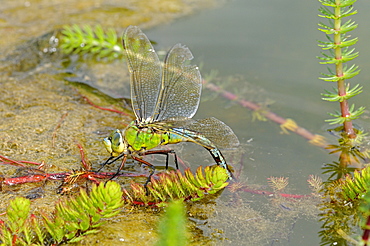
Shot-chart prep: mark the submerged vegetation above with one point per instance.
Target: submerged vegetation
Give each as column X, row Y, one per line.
column 73, row 219
column 174, row 185
column 76, row 217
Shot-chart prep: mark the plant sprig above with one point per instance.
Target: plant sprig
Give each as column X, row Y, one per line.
column 172, row 227
column 88, row 40
column 174, row 185
column 337, row 52
column 74, row 218
column 341, row 212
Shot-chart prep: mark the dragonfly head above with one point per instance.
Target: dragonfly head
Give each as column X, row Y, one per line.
column 114, row 144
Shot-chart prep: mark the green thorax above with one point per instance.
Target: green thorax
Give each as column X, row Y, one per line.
column 148, row 137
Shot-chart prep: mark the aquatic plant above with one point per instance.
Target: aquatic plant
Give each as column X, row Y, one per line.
column 278, row 184
column 365, row 219
column 172, row 227
column 337, row 51
column 174, row 185
column 345, row 193
column 340, row 213
column 73, row 219
column 88, row 40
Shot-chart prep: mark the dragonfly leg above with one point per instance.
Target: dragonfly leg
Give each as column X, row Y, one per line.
column 105, row 163
column 164, row 152
column 176, row 163
column 151, row 173
column 110, row 160
column 120, row 167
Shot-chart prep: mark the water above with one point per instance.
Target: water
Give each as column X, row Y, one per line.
column 270, row 46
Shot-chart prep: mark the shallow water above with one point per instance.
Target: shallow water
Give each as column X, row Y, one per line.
column 269, row 49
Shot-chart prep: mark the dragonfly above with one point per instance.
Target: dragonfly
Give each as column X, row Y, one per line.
column 164, row 96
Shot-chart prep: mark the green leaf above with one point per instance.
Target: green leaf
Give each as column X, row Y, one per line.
column 172, row 227
column 353, row 115
column 345, row 3
column 333, row 96
column 330, row 79
column 17, row 213
column 173, row 185
column 346, row 13
column 350, row 72
column 348, row 26
column 88, row 40
column 326, row 13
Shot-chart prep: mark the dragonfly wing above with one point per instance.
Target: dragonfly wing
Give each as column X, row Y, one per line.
column 181, row 86
column 213, row 129
column 216, row 131
column 145, row 72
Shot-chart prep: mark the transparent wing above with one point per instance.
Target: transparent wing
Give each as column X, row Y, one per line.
column 216, row 131
column 181, row 86
column 145, row 72
column 213, row 129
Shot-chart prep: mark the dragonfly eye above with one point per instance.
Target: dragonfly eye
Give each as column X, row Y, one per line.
column 117, row 144
column 108, row 144
column 116, row 138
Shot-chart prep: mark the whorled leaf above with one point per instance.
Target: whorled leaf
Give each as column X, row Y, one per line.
column 73, row 219
column 89, row 40
column 174, row 185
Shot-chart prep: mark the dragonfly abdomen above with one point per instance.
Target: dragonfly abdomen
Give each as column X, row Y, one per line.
column 201, row 140
column 173, row 139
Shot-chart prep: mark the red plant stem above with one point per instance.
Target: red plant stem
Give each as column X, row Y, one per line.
column 25, row 179
column 10, row 161
column 84, row 161
column 102, row 108
column 143, row 203
column 14, row 241
column 258, row 192
column 268, row 193
column 347, row 125
column 34, row 178
column 270, row 115
column 57, row 127
column 30, row 162
column 20, row 163
column 365, row 236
